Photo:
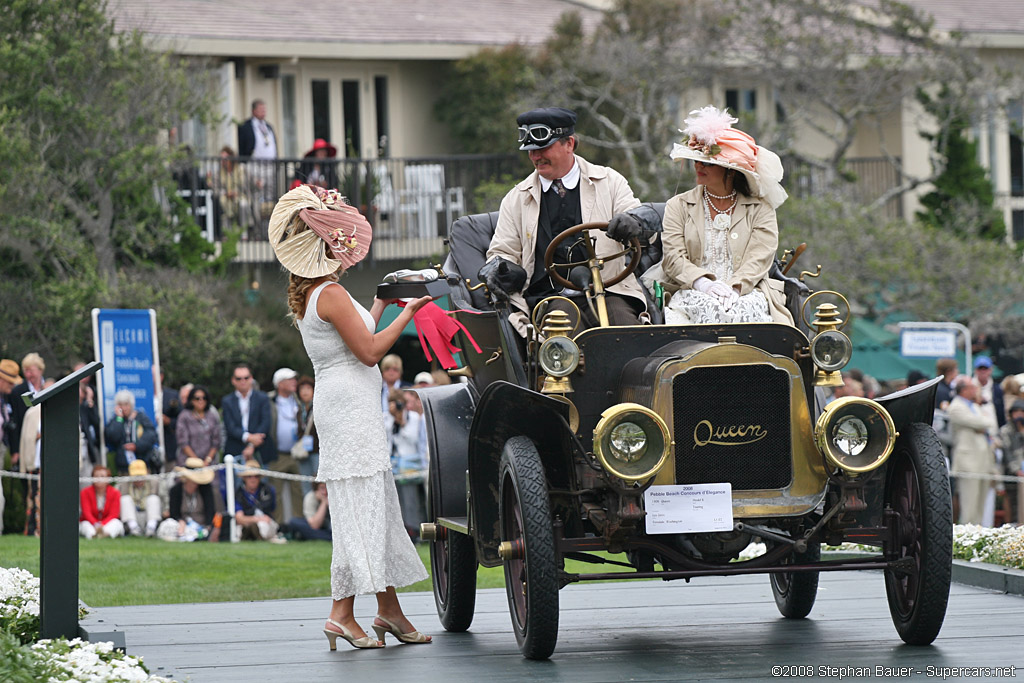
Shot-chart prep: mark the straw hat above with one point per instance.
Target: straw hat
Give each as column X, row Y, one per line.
column 9, row 371
column 314, row 232
column 137, row 468
column 252, row 469
column 711, row 139
column 196, row 470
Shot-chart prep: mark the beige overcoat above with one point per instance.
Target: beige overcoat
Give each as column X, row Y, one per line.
column 603, row 193
column 753, row 242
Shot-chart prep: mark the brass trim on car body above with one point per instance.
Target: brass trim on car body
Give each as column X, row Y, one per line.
column 810, row 478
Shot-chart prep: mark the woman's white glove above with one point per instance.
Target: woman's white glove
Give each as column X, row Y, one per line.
column 726, row 295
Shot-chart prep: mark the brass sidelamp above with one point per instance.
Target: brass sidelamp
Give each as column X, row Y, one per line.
column 830, row 348
column 559, row 356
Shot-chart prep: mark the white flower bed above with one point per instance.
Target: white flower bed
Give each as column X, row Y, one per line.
column 1003, row 545
column 58, row 660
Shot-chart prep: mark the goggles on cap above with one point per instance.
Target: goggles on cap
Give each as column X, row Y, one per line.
column 540, row 133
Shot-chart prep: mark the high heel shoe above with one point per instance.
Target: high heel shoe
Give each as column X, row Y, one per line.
column 364, row 642
column 411, row 637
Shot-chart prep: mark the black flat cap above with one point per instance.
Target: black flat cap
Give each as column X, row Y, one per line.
column 559, row 120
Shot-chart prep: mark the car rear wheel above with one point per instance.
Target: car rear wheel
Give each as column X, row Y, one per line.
column 795, row 591
column 918, row 491
column 531, row 579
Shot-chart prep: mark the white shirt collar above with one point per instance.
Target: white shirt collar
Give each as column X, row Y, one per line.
column 569, row 180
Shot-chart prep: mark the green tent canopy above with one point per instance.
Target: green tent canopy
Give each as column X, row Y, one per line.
column 876, row 352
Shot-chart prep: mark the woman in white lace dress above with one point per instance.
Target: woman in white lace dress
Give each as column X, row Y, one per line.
column 720, row 238
column 316, row 235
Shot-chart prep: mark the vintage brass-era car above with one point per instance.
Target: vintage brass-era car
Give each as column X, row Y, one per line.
column 672, row 448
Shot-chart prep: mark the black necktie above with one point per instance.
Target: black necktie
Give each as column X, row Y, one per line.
column 559, row 188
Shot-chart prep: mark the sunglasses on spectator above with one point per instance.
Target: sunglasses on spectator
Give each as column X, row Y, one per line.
column 198, row 398
column 539, row 133
column 242, row 379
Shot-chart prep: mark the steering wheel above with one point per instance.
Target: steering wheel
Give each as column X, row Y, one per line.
column 592, row 257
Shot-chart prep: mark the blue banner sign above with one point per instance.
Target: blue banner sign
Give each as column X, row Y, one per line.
column 125, row 342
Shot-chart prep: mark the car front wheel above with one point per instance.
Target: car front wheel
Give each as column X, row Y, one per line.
column 917, row 490
column 531, row 580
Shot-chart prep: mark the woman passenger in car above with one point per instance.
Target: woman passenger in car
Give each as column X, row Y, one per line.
column 720, row 238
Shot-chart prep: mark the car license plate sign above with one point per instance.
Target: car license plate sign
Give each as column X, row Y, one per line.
column 688, row 508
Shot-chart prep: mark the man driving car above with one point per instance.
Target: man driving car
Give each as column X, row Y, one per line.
column 563, row 191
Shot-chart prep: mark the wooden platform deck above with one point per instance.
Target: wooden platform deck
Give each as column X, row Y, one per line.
column 722, row 629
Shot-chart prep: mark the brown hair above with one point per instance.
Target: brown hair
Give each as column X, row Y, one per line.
column 944, row 365
column 298, row 287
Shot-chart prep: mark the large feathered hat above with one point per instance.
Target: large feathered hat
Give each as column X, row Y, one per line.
column 711, row 139
column 314, row 232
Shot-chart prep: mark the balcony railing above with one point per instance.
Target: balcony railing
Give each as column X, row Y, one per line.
column 409, row 202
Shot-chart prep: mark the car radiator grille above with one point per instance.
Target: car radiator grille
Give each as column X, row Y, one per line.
column 732, row 425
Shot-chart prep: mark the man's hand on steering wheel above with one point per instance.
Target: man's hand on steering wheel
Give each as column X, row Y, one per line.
column 624, row 227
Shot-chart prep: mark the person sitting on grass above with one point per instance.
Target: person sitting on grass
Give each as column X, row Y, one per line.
column 315, row 523
column 191, row 504
column 141, row 502
column 255, row 502
column 101, row 507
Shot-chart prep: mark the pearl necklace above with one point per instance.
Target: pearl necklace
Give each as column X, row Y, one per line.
column 723, row 221
column 715, row 196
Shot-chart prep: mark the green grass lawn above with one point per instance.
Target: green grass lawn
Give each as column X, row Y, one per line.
column 144, row 571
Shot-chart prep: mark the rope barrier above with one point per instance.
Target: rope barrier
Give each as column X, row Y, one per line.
column 270, row 474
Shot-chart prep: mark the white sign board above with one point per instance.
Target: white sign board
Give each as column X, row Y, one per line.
column 928, row 343
column 688, row 508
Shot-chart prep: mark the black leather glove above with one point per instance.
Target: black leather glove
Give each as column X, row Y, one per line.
column 502, row 277
column 623, row 227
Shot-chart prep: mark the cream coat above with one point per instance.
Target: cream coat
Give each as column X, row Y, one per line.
column 753, row 242
column 603, row 193
column 972, row 452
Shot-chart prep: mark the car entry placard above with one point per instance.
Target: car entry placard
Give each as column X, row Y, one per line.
column 688, row 508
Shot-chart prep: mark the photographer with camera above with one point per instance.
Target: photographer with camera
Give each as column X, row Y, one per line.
column 407, row 463
column 1011, row 435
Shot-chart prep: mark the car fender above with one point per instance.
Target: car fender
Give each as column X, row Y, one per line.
column 910, row 405
column 504, row 411
column 448, row 412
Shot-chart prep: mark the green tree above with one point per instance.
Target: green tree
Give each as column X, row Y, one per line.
column 88, row 184
column 481, row 97
column 963, row 199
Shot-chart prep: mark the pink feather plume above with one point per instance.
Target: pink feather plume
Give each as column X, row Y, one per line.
column 707, row 124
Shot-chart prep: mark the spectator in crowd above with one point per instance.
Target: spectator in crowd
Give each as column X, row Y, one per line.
column 869, row 385
column 441, row 377
column 142, row 505
column 8, row 378
column 315, row 523
column 190, row 504
column 1011, row 435
column 31, row 451
column 198, row 430
column 403, row 426
column 88, row 419
column 284, row 434
column 564, row 190
column 991, row 393
column 169, row 411
column 973, row 429
column 391, row 372
column 1012, row 392
column 246, row 415
column 101, row 507
column 316, row 169
column 255, row 503
column 33, row 367
column 130, row 434
column 308, row 453
column 257, row 142
column 235, row 190
column 948, row 369
column 423, row 379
